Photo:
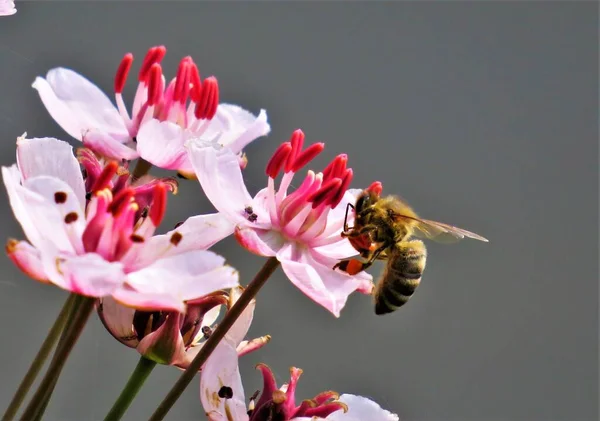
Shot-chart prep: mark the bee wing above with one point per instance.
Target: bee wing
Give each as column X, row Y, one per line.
column 440, row 232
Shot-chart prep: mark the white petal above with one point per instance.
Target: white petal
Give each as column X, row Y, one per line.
column 361, row 409
column 7, row 8
column 240, row 328
column 162, row 144
column 105, row 144
column 238, row 127
column 221, row 370
column 258, row 241
column 52, row 157
column 76, row 104
column 118, row 320
column 88, row 274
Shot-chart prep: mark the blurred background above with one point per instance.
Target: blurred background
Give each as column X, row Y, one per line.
column 482, row 115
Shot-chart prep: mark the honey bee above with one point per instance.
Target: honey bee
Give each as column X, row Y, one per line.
column 383, row 229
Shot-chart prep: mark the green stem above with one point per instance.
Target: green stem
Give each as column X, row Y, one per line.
column 44, row 390
column 141, row 169
column 211, row 343
column 39, row 360
column 134, row 384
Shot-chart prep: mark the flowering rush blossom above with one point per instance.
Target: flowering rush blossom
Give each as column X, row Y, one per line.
column 175, row 338
column 161, row 119
column 302, row 228
column 98, row 241
column 7, row 8
column 222, row 396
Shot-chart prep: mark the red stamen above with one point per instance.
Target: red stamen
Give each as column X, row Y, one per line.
column 196, row 92
column 158, row 207
column 105, row 177
column 325, row 193
column 307, row 155
column 278, row 159
column 337, row 198
column 336, row 167
column 154, row 84
column 122, row 72
column 182, row 84
column 121, row 201
column 206, row 107
column 154, row 55
column 376, row 187
column 297, row 141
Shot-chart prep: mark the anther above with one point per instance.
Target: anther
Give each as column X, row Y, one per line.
column 337, row 198
column 176, row 238
column 158, row 207
column 324, row 193
column 278, row 159
column 136, row 238
column 206, row 331
column 376, row 187
column 71, row 217
column 122, row 72
column 105, row 177
column 154, row 55
column 206, row 106
column 297, row 141
column 307, row 155
column 60, row 197
column 155, row 84
column 225, row 392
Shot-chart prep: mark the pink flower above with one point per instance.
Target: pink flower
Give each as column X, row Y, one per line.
column 222, row 396
column 175, row 338
column 302, row 228
column 7, row 8
column 99, row 242
column 160, row 120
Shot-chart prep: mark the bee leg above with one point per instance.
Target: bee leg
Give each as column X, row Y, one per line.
column 346, row 227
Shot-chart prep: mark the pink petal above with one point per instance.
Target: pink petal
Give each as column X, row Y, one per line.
column 220, row 176
column 118, row 320
column 360, row 409
column 27, row 258
column 164, row 345
column 104, row 144
column 187, row 275
column 238, row 127
column 335, row 218
column 89, row 274
column 51, row 157
column 221, row 370
column 7, row 8
column 78, row 105
column 321, row 283
column 197, row 233
column 148, row 301
column 162, row 144
column 258, row 241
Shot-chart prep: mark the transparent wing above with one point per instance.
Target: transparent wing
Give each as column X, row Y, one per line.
column 440, row 232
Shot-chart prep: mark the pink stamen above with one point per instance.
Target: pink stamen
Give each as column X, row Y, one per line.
column 154, row 84
column 121, row 200
column 337, row 198
column 336, row 167
column 95, row 226
column 278, row 159
column 376, row 187
column 307, row 155
column 104, row 179
column 325, row 193
column 122, row 72
column 154, row 55
column 297, row 141
column 158, row 207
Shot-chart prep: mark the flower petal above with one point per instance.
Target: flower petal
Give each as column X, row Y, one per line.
column 76, row 104
column 220, row 372
column 104, row 144
column 162, row 144
column 164, row 345
column 258, row 241
column 27, row 258
column 118, row 320
column 7, row 8
column 238, row 127
column 240, row 328
column 51, row 157
column 129, row 297
column 88, row 274
column 360, row 409
column 324, row 285
column 220, row 176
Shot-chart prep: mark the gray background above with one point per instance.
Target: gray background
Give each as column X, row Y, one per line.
column 483, row 115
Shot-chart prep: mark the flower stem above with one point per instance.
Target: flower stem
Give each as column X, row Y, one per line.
column 134, row 384
column 39, row 360
column 141, row 169
column 85, row 305
column 211, row 343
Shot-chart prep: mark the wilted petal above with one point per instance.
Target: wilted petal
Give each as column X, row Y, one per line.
column 77, row 105
column 51, row 157
column 118, row 320
column 221, row 374
column 361, row 409
column 162, row 144
column 26, row 258
column 104, row 144
column 88, row 274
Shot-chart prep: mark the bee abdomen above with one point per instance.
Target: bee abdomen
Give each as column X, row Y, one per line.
column 401, row 277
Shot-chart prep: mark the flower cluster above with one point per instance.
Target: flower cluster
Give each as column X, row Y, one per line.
column 90, row 219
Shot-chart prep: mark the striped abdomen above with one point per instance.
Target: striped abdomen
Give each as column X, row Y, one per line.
column 401, row 276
